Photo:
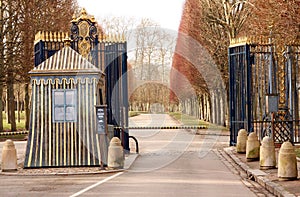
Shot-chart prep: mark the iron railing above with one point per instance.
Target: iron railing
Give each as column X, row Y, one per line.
column 280, row 130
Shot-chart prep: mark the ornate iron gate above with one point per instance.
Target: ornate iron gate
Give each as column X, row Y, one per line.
column 264, row 86
column 112, row 55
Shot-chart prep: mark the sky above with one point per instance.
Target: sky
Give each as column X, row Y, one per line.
column 165, row 12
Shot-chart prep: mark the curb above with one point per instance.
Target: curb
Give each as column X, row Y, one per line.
column 129, row 160
column 60, row 174
column 259, row 176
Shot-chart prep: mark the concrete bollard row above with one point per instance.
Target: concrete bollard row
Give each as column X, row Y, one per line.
column 265, row 153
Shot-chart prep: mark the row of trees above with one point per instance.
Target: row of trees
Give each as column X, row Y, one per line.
column 151, row 64
column 150, row 53
column 18, row 24
column 212, row 24
column 200, row 63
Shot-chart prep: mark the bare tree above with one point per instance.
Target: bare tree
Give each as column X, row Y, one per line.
column 145, row 40
column 11, row 53
column 148, row 59
column 2, row 65
column 117, row 25
column 18, row 24
column 37, row 16
column 230, row 14
column 166, row 48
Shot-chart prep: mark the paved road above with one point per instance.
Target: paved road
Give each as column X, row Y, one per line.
column 172, row 163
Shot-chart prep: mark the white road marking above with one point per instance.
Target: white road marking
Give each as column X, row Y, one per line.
column 96, row 184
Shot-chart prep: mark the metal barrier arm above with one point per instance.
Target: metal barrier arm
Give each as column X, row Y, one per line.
column 9, row 133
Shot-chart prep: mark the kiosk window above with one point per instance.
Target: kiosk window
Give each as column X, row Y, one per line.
column 64, row 105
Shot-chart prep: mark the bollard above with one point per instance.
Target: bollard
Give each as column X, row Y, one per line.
column 241, row 141
column 287, row 162
column 252, row 147
column 267, row 154
column 9, row 157
column 115, row 154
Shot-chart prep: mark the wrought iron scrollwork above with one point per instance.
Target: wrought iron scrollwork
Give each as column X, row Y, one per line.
column 74, row 32
column 93, row 32
column 84, row 34
column 266, row 130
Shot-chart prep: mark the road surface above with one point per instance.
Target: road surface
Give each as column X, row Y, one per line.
column 171, row 163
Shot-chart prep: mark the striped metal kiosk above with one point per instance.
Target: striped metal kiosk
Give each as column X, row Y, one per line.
column 65, row 91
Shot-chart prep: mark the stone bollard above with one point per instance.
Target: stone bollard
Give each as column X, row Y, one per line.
column 241, row 141
column 267, row 154
column 115, row 154
column 252, row 147
column 287, row 162
column 9, row 157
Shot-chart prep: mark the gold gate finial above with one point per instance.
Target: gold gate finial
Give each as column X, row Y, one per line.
column 83, row 13
column 83, row 16
column 67, row 41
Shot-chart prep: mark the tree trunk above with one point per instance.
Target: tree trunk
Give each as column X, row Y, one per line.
column 11, row 101
column 1, row 107
column 7, row 112
column 18, row 106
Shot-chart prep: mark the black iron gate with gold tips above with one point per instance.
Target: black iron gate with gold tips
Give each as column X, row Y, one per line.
column 264, row 88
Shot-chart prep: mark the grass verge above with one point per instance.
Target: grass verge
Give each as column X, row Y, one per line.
column 192, row 121
column 136, row 113
column 20, row 125
column 188, row 120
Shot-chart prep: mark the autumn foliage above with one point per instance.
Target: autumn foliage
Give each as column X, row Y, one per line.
column 205, row 22
column 19, row 22
column 282, row 17
column 212, row 24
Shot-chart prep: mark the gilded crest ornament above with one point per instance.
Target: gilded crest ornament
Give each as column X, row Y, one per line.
column 84, row 33
column 84, row 44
